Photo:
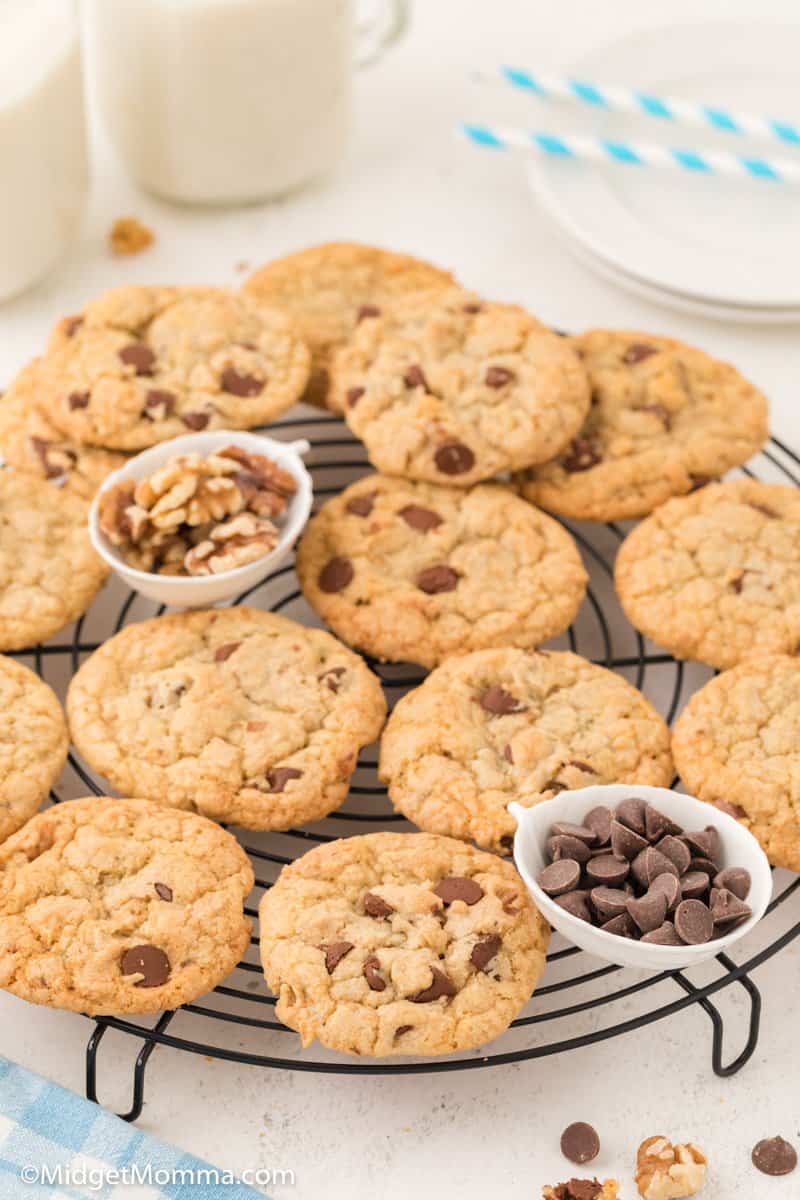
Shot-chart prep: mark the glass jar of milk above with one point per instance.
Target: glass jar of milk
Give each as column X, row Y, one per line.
column 44, row 175
column 228, row 101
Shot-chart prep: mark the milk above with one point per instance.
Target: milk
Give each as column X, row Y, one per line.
column 43, row 157
column 223, row 101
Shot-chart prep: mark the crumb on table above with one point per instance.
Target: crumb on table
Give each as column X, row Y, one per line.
column 129, row 236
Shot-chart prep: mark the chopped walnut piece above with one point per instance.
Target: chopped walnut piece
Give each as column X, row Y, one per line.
column 668, row 1172
column 129, row 236
column 196, row 515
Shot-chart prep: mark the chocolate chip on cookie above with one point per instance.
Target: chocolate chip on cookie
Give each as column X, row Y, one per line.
column 148, row 961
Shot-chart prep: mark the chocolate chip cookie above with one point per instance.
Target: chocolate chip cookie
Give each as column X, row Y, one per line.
column 240, row 714
column 49, row 573
column 715, row 576
column 735, row 745
column 144, row 364
column 29, row 442
column 328, row 290
column 449, row 388
column 33, row 744
column 399, row 569
column 503, row 725
column 120, row 906
column 400, row 944
column 665, row 417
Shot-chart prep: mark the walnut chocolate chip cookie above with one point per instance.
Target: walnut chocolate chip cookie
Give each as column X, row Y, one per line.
column 664, row 417
column 29, row 442
column 237, row 713
column 735, row 745
column 33, row 744
column 144, row 364
column 399, row 569
column 49, row 573
column 503, row 725
column 120, row 906
column 400, row 944
column 450, row 388
column 715, row 576
column 329, row 289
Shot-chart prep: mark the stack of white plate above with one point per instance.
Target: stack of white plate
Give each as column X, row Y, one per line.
column 712, row 246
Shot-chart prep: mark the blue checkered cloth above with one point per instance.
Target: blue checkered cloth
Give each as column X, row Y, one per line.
column 45, row 1126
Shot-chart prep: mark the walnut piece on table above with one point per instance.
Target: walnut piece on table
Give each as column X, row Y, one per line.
column 198, row 515
column 669, row 1172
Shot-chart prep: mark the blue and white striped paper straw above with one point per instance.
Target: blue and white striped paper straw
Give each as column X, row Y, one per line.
column 673, row 109
column 635, row 154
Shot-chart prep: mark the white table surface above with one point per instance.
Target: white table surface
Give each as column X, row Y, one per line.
column 409, row 184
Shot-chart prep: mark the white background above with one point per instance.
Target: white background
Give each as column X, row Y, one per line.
column 409, row 184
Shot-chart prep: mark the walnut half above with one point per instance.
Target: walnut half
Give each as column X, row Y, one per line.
column 668, row 1172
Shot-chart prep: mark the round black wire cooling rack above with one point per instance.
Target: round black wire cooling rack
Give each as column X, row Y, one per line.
column 237, row 1020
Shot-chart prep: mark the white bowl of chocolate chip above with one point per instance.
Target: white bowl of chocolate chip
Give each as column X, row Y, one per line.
column 198, row 520
column 642, row 876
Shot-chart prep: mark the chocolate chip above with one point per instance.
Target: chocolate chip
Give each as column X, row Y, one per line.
column 608, row 870
column 223, row 653
column 441, row 986
column 484, row 951
column 72, row 325
column 578, row 1189
column 648, row 911
column 497, row 377
column 568, row 829
column 500, row 703
column 705, row 843
column 401, row 1029
column 353, row 395
column 238, row 384
column 419, row 518
column 699, row 481
column 670, row 886
column 599, row 820
column 334, row 953
column 559, row 847
column 582, row 454
column 694, row 884
column 52, row 467
column 705, row 865
column 580, row 766
column 148, row 961
column 278, row 778
column 774, row 1156
column 559, row 877
column 763, row 508
column 415, row 377
column 454, row 458
column 649, row 864
column 665, row 935
column 367, row 310
column 575, row 903
column 508, row 753
column 332, row 678
column 163, row 891
column 625, row 842
column 658, row 410
column 435, row 580
column 458, row 887
column 733, row 810
column 657, row 825
column 159, row 398
column 361, row 506
column 608, row 902
column 376, row 906
column 676, row 850
column 553, row 785
column 637, row 352
column 140, row 357
column 77, row 400
column 580, row 1143
column 736, row 880
column 727, row 910
column 621, row 925
column 336, row 575
column 473, row 308
column 195, row 420
column 371, row 973
column 693, row 922
column 632, row 814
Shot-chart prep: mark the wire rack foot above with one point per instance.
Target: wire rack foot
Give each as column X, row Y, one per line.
column 140, row 1066
column 718, row 1026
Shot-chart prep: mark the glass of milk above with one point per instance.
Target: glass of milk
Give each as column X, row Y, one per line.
column 230, row 101
column 44, row 174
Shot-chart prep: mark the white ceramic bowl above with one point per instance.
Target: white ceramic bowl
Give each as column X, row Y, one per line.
column 739, row 849
column 201, row 591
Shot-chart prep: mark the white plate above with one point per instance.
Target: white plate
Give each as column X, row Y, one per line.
column 717, row 240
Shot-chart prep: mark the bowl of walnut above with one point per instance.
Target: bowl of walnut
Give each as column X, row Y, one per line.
column 199, row 519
